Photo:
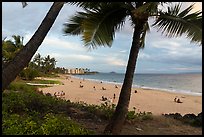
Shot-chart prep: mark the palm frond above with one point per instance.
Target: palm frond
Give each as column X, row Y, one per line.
column 88, row 5
column 176, row 23
column 74, row 25
column 98, row 27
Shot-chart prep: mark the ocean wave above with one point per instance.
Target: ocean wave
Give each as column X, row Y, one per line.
column 188, row 92
column 97, row 80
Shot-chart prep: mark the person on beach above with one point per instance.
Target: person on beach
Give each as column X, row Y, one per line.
column 62, row 94
column 175, row 99
column 135, row 91
column 81, row 86
column 114, row 96
column 103, row 88
column 55, row 94
column 116, row 86
column 179, row 101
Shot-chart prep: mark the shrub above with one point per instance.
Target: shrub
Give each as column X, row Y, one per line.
column 50, row 124
column 60, row 125
column 19, row 125
column 13, row 103
column 29, row 74
column 190, row 119
column 131, row 115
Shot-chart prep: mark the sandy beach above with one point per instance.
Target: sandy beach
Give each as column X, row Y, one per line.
column 155, row 101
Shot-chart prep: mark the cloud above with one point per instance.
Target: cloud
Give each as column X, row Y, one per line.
column 187, row 68
column 62, row 44
column 72, row 57
column 144, row 56
column 123, row 51
column 116, row 62
column 58, row 43
column 175, row 51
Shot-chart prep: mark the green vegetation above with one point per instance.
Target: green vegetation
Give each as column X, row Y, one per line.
column 11, row 47
column 29, row 73
column 40, row 66
column 26, row 111
column 46, row 81
column 29, row 112
column 131, row 115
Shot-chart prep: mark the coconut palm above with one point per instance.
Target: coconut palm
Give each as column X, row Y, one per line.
column 38, row 60
column 18, row 41
column 11, row 48
column 21, row 60
column 49, row 64
column 99, row 21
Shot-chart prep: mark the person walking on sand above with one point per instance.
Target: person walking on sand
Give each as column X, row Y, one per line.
column 62, row 95
column 114, row 96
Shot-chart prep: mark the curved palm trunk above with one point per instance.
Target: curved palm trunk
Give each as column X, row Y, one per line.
column 21, row 60
column 116, row 123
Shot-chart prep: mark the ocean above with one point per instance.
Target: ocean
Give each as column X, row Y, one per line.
column 177, row 83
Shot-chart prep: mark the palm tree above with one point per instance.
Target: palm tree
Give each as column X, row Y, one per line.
column 10, row 48
column 52, row 63
column 49, row 64
column 99, row 22
column 21, row 60
column 38, row 60
column 18, row 41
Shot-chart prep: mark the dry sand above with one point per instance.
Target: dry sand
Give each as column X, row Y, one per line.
column 155, row 101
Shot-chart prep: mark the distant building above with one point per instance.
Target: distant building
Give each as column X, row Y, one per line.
column 75, row 71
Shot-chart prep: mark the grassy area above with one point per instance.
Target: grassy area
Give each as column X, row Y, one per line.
column 45, row 81
column 54, row 75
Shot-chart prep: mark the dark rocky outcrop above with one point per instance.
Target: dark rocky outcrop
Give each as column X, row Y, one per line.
column 191, row 119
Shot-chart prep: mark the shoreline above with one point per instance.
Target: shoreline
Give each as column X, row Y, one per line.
column 176, row 91
column 148, row 100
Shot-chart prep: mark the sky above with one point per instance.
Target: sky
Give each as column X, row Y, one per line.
column 160, row 55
